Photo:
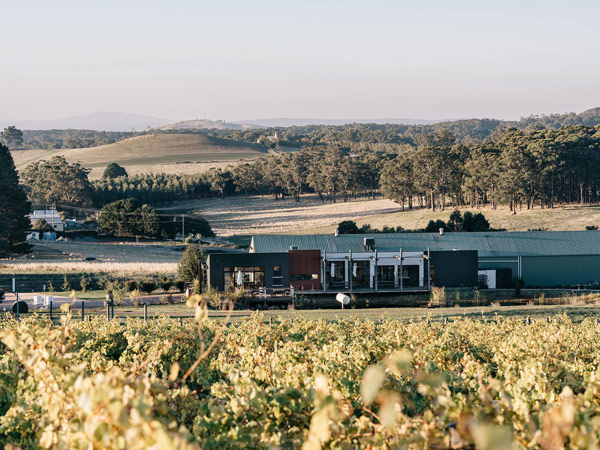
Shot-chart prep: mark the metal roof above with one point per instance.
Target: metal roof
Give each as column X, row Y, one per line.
column 488, row 244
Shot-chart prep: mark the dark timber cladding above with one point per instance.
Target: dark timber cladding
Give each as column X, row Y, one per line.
column 305, row 269
column 228, row 271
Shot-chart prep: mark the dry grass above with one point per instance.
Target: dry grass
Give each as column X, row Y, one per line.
column 264, row 215
column 152, row 153
column 121, row 259
column 114, row 268
column 259, row 215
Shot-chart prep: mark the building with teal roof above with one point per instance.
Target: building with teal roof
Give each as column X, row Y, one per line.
column 539, row 258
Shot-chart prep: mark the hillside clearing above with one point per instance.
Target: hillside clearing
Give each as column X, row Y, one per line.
column 264, row 215
column 169, row 153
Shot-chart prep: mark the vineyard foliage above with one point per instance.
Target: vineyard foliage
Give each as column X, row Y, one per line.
column 301, row 384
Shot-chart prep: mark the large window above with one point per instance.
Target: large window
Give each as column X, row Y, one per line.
column 385, row 276
column 244, row 277
column 335, row 273
column 361, row 273
column 410, row 276
column 277, row 278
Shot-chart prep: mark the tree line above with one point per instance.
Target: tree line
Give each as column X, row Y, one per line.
column 519, row 169
column 381, row 137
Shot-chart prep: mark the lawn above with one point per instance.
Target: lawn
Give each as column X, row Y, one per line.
column 575, row 312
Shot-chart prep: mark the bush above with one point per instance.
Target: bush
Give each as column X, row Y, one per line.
column 214, row 299
column 132, row 285
column 66, row 286
column 347, row 227
column 438, row 296
column 148, row 285
column 166, row 283
column 134, row 296
column 180, row 285
column 85, row 283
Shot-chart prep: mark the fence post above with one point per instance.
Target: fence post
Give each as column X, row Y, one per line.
column 181, row 321
column 145, row 312
column 50, row 304
column 82, row 310
column 18, row 309
column 107, row 311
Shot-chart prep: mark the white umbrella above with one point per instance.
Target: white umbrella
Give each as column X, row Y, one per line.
column 332, row 270
column 355, row 270
column 240, row 278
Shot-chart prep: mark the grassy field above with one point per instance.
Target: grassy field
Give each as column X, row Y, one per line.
column 169, row 153
column 264, row 215
column 575, row 312
column 116, row 258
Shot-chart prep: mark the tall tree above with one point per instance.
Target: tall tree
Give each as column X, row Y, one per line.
column 58, row 181
column 14, row 207
column 12, row 136
column 189, row 266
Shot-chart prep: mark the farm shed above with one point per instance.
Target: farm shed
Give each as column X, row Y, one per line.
column 540, row 258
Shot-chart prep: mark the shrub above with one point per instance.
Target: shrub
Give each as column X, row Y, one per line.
column 132, row 285
column 438, row 296
column 148, row 285
column 214, row 299
column 180, row 284
column 134, row 297
column 66, row 286
column 85, row 282
column 347, row 227
column 166, row 283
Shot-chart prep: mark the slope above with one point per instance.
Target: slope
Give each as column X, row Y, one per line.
column 169, row 153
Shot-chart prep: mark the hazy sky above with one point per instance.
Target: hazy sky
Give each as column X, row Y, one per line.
column 226, row 59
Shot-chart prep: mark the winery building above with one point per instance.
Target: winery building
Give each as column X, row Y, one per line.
column 539, row 258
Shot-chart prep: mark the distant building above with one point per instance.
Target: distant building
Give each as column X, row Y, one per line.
column 51, row 216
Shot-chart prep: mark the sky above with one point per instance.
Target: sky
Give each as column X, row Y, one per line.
column 234, row 59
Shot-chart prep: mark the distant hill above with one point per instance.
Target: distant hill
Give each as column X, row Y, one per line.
column 286, row 122
column 99, row 121
column 164, row 152
column 203, row 124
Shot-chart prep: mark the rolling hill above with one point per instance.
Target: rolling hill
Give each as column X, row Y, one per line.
column 101, row 121
column 169, row 153
column 204, row 124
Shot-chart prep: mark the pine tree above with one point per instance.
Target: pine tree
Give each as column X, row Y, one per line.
column 14, row 207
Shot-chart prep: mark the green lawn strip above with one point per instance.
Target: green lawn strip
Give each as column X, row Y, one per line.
column 575, row 312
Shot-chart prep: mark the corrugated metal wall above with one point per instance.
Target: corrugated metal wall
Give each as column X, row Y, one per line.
column 549, row 271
